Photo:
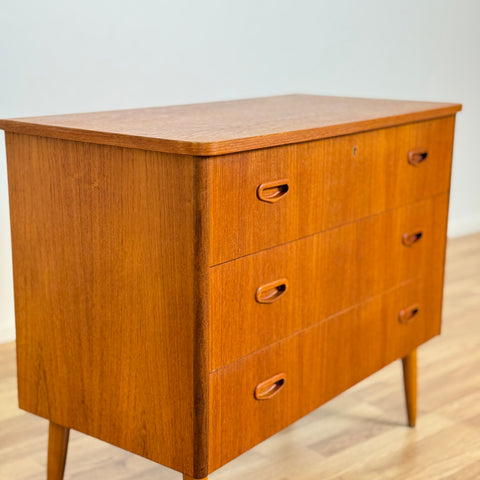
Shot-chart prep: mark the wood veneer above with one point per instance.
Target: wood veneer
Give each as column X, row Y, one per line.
column 319, row 363
column 409, row 364
column 57, row 451
column 224, row 127
column 332, row 182
column 103, row 259
column 359, row 434
column 326, row 273
column 145, row 242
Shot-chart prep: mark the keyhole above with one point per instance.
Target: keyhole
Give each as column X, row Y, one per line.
column 354, row 151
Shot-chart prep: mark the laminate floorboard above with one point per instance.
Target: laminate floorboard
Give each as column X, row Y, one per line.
column 361, row 434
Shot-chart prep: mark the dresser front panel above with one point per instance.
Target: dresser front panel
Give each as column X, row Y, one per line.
column 323, row 274
column 316, row 365
column 330, row 182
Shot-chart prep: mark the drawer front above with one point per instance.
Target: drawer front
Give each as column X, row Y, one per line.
column 261, row 298
column 267, row 197
column 302, row 372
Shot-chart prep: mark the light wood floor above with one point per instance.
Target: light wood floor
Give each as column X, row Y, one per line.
column 359, row 435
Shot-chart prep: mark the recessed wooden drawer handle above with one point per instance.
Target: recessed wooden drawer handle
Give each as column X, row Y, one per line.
column 270, row 292
column 415, row 157
column 409, row 239
column 270, row 387
column 406, row 316
column 273, row 191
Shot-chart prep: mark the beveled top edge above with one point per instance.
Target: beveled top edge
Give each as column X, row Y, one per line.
column 231, row 126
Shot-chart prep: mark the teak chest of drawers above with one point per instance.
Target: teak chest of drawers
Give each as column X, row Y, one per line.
column 190, row 280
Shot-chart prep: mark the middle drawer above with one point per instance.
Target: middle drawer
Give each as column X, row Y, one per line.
column 261, row 298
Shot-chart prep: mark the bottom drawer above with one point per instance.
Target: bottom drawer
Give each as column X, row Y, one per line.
column 315, row 365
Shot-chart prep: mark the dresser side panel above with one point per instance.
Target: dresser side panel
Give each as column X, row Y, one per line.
column 443, row 251
column 103, row 259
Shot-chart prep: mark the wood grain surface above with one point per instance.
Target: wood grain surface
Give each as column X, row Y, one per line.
column 103, row 260
column 359, row 435
column 185, row 306
column 409, row 365
column 201, row 341
column 57, row 451
column 331, row 182
column 318, row 363
column 224, row 127
column 326, row 273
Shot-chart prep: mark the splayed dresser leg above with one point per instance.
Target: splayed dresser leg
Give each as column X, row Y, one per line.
column 57, row 451
column 410, row 382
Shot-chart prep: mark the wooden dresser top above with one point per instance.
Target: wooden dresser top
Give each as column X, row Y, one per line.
column 233, row 126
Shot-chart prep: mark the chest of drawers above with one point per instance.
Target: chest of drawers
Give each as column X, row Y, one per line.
column 190, row 280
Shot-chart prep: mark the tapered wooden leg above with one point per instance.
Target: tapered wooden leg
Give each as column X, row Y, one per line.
column 186, row 477
column 57, row 451
column 410, row 382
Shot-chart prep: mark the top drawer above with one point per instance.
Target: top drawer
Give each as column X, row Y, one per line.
column 266, row 197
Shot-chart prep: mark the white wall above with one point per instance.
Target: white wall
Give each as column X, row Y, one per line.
column 61, row 56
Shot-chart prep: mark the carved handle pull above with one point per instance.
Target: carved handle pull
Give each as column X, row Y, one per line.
column 273, row 191
column 270, row 387
column 406, row 316
column 271, row 292
column 416, row 157
column 408, row 239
